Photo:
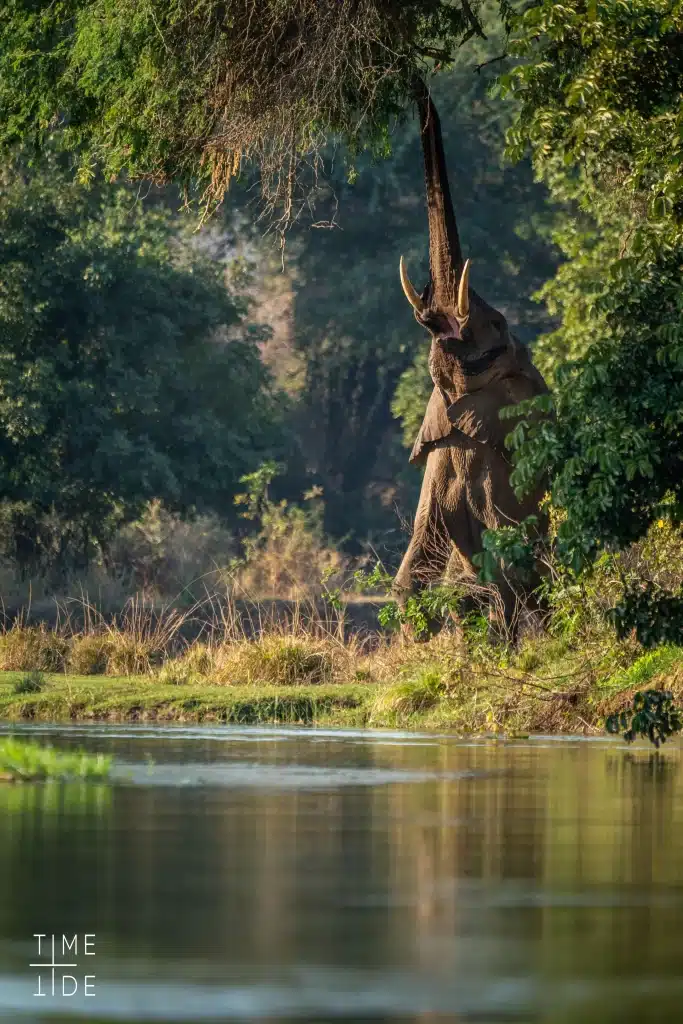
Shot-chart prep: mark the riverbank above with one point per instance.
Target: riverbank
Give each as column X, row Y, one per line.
column 306, row 673
column 508, row 703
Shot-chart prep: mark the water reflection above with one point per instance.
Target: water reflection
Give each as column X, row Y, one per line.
column 285, row 875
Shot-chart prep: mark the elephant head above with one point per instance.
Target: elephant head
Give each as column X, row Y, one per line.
column 471, row 343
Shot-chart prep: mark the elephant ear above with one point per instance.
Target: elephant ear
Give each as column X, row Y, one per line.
column 435, row 426
column 476, row 414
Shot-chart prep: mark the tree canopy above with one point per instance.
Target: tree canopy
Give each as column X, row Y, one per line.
column 183, row 91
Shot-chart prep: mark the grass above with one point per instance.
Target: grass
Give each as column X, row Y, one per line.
column 431, row 690
column 23, row 761
column 306, row 672
column 107, row 698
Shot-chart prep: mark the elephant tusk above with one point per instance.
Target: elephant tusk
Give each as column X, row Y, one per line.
column 463, row 313
column 411, row 295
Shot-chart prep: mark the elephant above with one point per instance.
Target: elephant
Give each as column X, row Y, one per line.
column 477, row 367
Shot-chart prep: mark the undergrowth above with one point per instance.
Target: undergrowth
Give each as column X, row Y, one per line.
column 569, row 672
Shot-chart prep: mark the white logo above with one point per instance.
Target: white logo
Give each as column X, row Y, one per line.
column 63, row 952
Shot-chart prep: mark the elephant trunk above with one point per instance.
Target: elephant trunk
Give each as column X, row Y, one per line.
column 445, row 254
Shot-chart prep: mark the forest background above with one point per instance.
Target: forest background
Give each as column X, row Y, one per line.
column 300, row 368
column 180, row 404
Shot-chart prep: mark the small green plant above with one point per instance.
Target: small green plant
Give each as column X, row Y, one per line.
column 23, row 761
column 31, row 682
column 653, row 714
column 420, row 611
column 411, row 696
column 508, row 547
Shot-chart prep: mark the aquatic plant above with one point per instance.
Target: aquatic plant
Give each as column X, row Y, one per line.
column 24, row 761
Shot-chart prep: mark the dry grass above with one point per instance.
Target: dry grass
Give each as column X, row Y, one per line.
column 23, row 648
column 460, row 682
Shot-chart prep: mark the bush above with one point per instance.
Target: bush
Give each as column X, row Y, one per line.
column 280, row 660
column 163, row 553
column 89, row 654
column 288, row 554
column 27, row 648
column 411, row 696
column 194, row 666
column 131, row 655
column 32, row 682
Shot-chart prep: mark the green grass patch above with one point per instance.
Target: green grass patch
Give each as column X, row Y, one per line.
column 641, row 673
column 24, row 761
column 143, row 698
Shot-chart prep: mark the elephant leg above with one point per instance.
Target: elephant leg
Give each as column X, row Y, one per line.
column 428, row 552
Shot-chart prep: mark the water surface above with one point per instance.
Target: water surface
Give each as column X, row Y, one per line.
column 289, row 875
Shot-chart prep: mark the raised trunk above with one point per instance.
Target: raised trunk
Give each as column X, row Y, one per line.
column 445, row 254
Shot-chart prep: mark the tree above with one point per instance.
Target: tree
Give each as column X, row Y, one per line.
column 126, row 371
column 599, row 88
column 182, row 90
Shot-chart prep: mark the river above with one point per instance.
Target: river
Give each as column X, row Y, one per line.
column 286, row 875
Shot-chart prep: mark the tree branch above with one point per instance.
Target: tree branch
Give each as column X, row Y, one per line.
column 473, row 20
column 492, row 60
column 429, row 51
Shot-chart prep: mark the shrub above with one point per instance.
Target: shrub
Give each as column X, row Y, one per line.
column 192, row 667
column 131, row 655
column 280, row 660
column 288, row 554
column 27, row 648
column 164, row 554
column 411, row 696
column 32, row 682
column 89, row 654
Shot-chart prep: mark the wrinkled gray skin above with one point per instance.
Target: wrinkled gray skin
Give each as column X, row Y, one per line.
column 478, row 367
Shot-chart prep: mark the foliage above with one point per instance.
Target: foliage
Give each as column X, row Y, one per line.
column 411, row 696
column 287, row 553
column 653, row 715
column 180, row 90
column 598, row 89
column 32, row 682
column 116, row 386
column 22, row 761
column 89, row 654
column 277, row 660
column 419, row 613
column 170, row 554
column 32, row 648
column 509, row 546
